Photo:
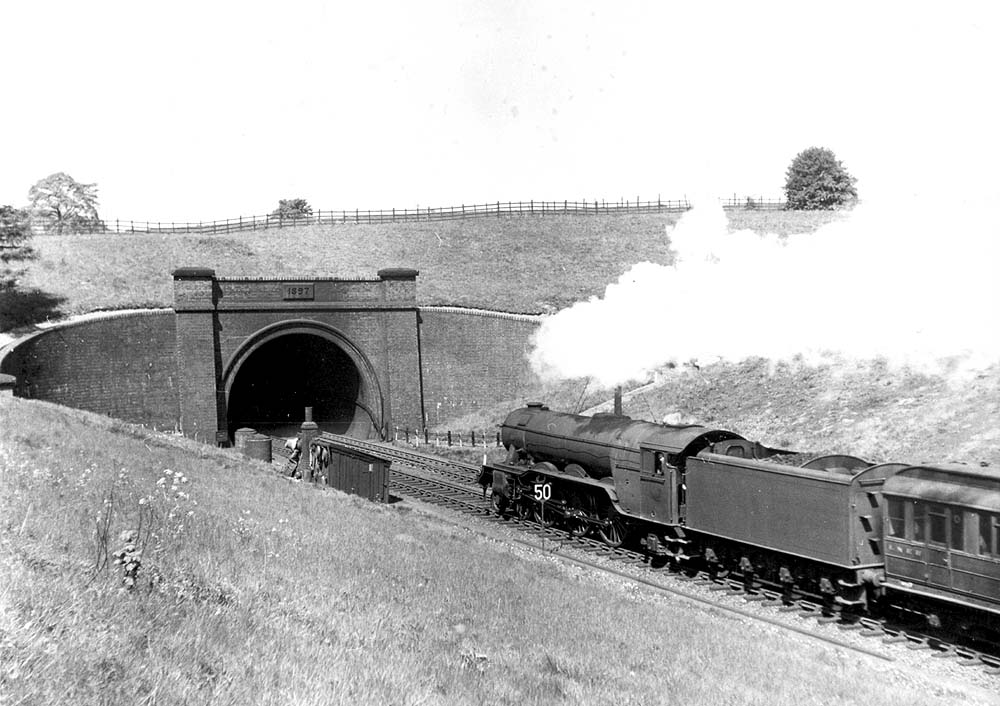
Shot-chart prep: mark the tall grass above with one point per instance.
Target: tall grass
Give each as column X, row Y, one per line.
column 255, row 589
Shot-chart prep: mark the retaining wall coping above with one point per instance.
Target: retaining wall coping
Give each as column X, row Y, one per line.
column 301, row 278
column 8, row 345
column 488, row 313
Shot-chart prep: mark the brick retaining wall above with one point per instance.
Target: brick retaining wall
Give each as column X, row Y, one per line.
column 125, row 365
column 473, row 358
column 121, row 365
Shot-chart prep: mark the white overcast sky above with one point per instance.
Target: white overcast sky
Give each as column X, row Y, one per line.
column 201, row 110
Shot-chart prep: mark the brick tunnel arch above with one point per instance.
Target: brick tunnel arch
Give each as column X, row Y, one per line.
column 286, row 367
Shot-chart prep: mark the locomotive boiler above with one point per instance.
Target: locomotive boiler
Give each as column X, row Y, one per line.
column 708, row 499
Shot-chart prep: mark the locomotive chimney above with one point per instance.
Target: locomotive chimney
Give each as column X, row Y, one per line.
column 618, row 401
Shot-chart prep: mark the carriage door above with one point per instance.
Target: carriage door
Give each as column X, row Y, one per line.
column 656, row 478
column 938, row 555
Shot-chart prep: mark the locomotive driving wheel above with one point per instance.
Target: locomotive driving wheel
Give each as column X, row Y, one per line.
column 612, row 529
column 577, row 526
column 576, row 515
column 543, row 516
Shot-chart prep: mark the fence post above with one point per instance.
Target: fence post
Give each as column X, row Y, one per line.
column 473, row 438
column 449, row 437
column 498, row 440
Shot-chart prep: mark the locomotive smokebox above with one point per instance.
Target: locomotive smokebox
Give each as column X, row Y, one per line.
column 618, row 401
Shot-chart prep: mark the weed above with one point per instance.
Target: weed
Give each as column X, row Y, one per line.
column 129, row 558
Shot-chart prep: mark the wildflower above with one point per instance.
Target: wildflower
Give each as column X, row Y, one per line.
column 142, row 501
column 162, row 482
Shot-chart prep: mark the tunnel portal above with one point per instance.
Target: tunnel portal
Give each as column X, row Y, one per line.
column 255, row 352
column 282, row 377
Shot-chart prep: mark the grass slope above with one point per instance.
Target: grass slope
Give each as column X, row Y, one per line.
column 253, row 589
column 523, row 263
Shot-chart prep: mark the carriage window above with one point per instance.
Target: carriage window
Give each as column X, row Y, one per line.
column 957, row 530
column 897, row 518
column 937, row 524
column 989, row 534
column 985, row 534
column 919, row 522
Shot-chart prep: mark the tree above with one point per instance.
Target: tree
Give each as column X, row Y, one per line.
column 816, row 180
column 60, row 204
column 292, row 208
column 15, row 232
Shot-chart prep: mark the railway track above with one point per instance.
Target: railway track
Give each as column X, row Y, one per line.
column 452, row 484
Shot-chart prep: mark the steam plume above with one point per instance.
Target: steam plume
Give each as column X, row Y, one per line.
column 901, row 283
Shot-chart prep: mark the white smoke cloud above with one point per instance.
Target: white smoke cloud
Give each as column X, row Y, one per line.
column 902, row 283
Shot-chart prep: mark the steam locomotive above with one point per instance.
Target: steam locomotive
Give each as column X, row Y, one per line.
column 923, row 539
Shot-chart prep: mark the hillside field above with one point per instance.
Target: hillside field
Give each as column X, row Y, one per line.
column 530, row 264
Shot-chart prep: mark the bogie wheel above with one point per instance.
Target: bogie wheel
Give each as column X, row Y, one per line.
column 613, row 534
column 524, row 509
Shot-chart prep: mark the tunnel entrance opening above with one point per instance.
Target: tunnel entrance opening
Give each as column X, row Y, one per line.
column 288, row 373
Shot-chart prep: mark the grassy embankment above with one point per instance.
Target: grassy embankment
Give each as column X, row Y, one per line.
column 254, row 589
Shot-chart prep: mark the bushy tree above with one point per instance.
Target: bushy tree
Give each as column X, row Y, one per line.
column 15, row 232
column 60, row 204
column 292, row 208
column 816, row 180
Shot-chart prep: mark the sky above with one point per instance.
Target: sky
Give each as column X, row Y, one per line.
column 196, row 111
